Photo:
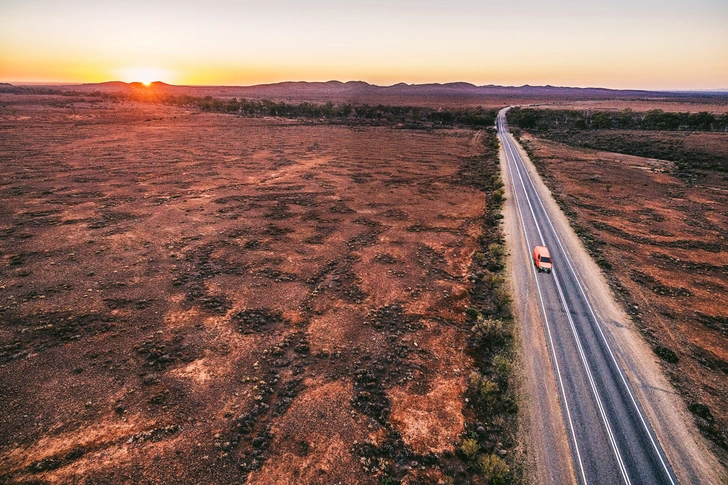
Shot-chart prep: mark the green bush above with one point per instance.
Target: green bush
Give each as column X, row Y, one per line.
column 472, row 313
column 486, row 393
column 666, row 354
column 494, row 280
column 498, row 196
column 502, row 301
column 702, row 410
column 493, row 468
column 496, row 181
column 496, row 250
column 488, row 331
column 502, row 367
column 470, row 448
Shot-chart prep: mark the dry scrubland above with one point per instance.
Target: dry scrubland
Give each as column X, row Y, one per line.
column 202, row 298
column 694, row 104
column 662, row 237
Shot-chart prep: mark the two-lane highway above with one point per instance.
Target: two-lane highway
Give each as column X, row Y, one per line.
column 610, row 439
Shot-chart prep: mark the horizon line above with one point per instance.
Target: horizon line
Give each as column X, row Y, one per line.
column 78, row 83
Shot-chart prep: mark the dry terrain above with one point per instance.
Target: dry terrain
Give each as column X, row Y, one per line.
column 202, row 298
column 716, row 104
column 662, row 241
column 447, row 96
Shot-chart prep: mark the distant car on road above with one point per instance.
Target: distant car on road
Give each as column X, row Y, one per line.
column 542, row 259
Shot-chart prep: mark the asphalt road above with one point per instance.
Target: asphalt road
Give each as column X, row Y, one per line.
column 609, row 437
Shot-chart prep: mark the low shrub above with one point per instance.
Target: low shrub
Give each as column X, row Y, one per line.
column 486, row 394
column 470, row 448
column 496, row 250
column 666, row 354
column 493, row 468
column 472, row 313
column 502, row 367
column 488, row 331
column 701, row 410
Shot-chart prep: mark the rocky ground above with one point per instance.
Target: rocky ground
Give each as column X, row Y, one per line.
column 211, row 299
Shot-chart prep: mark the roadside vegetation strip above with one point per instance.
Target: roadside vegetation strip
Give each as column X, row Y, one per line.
column 489, row 442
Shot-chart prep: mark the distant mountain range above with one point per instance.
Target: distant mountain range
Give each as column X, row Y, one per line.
column 359, row 90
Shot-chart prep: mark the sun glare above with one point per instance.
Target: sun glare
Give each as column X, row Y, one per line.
column 144, row 75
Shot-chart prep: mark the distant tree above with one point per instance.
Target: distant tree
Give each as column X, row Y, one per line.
column 528, row 119
column 601, row 121
column 625, row 118
column 702, row 121
column 723, row 122
column 657, row 119
column 344, row 110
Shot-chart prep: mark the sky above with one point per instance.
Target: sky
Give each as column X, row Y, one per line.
column 623, row 44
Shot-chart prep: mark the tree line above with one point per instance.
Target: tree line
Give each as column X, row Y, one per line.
column 657, row 119
column 408, row 116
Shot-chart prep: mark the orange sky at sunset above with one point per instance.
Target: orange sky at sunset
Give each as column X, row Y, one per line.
column 653, row 45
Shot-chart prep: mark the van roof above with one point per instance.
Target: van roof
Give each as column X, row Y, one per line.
column 542, row 250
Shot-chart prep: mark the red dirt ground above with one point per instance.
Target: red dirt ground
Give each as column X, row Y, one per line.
column 666, row 241
column 201, row 298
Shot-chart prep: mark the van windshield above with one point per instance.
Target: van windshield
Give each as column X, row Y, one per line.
column 545, row 259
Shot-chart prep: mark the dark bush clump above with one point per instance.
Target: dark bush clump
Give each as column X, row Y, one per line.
column 666, row 354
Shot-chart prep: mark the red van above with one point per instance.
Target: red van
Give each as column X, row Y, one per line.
column 542, row 259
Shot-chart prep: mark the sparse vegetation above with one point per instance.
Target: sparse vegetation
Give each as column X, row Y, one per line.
column 230, row 328
column 492, row 424
column 630, row 133
column 470, row 448
column 413, row 117
column 666, row 354
column 494, row 469
column 488, row 332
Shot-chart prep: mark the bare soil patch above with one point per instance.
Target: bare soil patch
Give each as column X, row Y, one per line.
column 202, row 298
column 661, row 240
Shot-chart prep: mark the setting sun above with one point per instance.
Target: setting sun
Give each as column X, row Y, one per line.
column 144, row 75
